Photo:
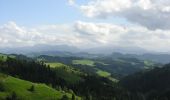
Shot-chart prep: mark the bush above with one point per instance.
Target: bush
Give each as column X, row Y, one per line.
column 65, row 97
column 12, row 96
column 2, row 87
column 32, row 88
column 73, row 97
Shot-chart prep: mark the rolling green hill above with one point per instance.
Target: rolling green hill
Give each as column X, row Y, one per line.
column 65, row 72
column 102, row 66
column 10, row 84
column 152, row 85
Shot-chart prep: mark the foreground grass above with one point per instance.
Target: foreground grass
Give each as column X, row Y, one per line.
column 20, row 87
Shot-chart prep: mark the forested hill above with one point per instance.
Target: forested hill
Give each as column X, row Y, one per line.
column 62, row 77
column 71, row 81
column 153, row 85
column 103, row 66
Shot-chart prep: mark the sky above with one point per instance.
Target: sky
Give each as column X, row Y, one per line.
column 86, row 23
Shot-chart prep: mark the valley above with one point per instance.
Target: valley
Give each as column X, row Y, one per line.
column 84, row 50
column 73, row 77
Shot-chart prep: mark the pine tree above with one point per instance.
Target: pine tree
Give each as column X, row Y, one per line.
column 73, row 97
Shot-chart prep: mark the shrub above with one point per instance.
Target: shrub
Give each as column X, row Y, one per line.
column 32, row 88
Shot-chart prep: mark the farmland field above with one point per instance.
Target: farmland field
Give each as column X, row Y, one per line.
column 103, row 73
column 84, row 62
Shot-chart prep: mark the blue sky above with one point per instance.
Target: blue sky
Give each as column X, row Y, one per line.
column 31, row 12
column 38, row 12
column 86, row 23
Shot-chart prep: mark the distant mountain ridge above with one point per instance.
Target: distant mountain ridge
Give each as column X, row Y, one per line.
column 66, row 50
column 73, row 49
column 159, row 58
column 38, row 48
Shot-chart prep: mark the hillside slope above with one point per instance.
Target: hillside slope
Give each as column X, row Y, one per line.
column 10, row 85
column 153, row 84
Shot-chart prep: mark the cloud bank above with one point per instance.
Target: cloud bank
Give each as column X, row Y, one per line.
column 85, row 35
column 153, row 14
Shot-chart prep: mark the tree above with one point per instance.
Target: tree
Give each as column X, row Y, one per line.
column 73, row 97
column 65, row 97
column 13, row 96
column 1, row 86
column 32, row 88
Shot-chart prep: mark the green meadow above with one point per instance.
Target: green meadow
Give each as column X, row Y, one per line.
column 103, row 73
column 20, row 87
column 84, row 62
column 66, row 72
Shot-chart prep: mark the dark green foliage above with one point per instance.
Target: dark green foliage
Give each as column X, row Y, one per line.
column 73, row 97
column 32, row 88
column 64, row 97
column 1, row 87
column 65, row 60
column 153, row 84
column 39, row 72
column 12, row 96
column 146, row 85
column 118, row 67
column 32, row 71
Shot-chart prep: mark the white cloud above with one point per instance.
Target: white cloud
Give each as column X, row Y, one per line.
column 117, row 35
column 153, row 14
column 71, row 2
column 13, row 35
column 85, row 35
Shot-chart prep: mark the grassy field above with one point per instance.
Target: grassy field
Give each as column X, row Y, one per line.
column 3, row 57
column 106, row 74
column 20, row 87
column 148, row 63
column 84, row 62
column 103, row 73
column 66, row 72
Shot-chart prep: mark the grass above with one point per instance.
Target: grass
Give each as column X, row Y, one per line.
column 106, row 74
column 84, row 62
column 20, row 87
column 66, row 72
column 3, row 57
column 120, row 60
column 68, row 75
column 113, row 79
column 55, row 64
column 148, row 63
column 103, row 73
column 102, row 63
